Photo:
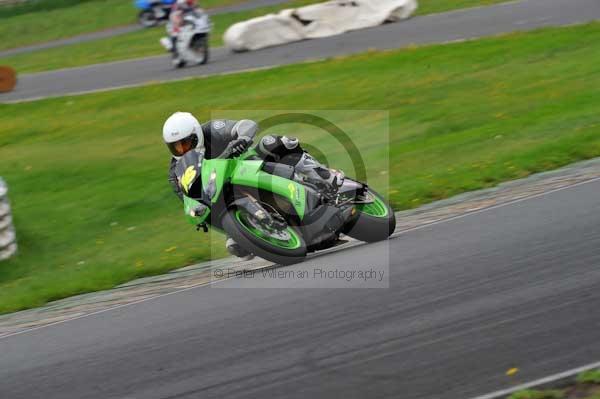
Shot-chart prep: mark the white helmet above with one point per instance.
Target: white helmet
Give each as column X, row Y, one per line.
column 182, row 133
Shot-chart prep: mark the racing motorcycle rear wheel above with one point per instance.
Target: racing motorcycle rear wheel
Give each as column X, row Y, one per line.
column 284, row 246
column 200, row 49
column 375, row 220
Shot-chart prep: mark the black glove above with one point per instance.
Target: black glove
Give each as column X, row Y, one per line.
column 238, row 146
column 199, row 210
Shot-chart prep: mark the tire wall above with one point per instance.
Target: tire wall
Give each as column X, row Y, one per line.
column 8, row 240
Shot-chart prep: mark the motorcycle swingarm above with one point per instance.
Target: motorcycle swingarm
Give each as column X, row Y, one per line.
column 324, row 224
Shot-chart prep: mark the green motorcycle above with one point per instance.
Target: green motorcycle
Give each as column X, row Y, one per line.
column 263, row 207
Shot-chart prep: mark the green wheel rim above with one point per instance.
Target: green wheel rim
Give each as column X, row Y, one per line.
column 293, row 243
column 377, row 208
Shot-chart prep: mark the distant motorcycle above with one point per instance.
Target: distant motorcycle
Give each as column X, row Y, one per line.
column 153, row 11
column 192, row 40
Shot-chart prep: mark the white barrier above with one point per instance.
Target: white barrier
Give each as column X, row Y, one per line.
column 8, row 238
column 314, row 21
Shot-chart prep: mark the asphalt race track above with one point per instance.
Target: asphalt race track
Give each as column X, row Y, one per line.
column 456, row 25
column 469, row 298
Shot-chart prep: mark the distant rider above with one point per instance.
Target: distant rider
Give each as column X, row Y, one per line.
column 182, row 133
column 180, row 9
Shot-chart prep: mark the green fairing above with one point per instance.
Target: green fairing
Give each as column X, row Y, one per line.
column 188, row 205
column 222, row 169
column 248, row 173
column 245, row 173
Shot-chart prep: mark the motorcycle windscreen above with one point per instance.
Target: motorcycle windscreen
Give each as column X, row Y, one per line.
column 188, row 171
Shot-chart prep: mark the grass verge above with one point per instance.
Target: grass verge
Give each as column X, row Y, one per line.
column 586, row 386
column 145, row 43
column 88, row 173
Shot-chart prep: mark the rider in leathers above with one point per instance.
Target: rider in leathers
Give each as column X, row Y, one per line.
column 178, row 11
column 182, row 133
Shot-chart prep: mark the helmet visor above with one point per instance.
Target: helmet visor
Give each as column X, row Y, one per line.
column 180, row 147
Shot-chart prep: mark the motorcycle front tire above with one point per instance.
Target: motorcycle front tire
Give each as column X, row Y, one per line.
column 147, row 19
column 252, row 242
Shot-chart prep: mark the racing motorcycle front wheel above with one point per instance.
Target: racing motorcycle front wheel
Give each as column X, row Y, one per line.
column 147, row 19
column 375, row 219
column 282, row 245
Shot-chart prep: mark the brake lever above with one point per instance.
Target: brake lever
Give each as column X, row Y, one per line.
column 227, row 152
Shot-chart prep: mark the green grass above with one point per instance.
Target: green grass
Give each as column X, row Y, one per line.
column 15, row 7
column 585, row 386
column 435, row 6
column 552, row 394
column 88, row 173
column 589, row 377
column 535, row 394
column 48, row 20
column 145, row 43
column 42, row 26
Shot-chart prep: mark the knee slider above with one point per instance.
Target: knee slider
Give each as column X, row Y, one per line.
column 289, row 142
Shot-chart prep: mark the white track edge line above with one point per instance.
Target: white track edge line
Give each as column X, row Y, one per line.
column 545, row 380
column 492, row 207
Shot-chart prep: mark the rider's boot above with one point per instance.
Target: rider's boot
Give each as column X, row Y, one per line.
column 173, row 40
column 236, row 250
column 313, row 172
column 177, row 61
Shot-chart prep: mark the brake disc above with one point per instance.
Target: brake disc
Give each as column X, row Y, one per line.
column 282, row 235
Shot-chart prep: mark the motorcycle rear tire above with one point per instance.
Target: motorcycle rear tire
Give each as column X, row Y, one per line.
column 201, row 45
column 375, row 222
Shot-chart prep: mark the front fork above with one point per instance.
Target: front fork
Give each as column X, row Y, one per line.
column 249, row 204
